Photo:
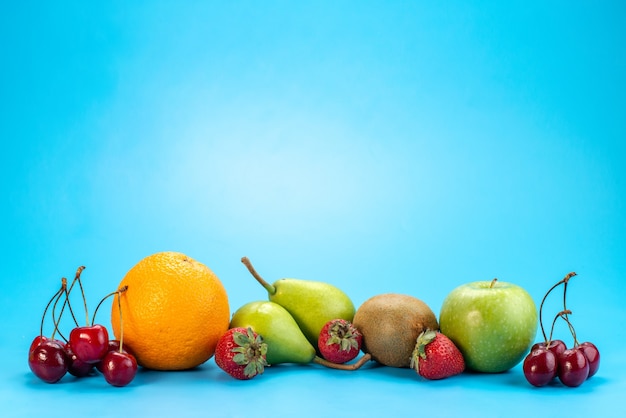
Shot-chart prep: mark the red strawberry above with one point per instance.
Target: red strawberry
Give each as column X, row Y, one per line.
column 339, row 341
column 241, row 353
column 436, row 357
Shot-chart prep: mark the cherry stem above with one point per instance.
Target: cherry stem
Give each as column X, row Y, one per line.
column 67, row 295
column 269, row 287
column 117, row 292
column 54, row 298
column 565, row 292
column 564, row 314
column 57, row 320
column 560, row 282
column 349, row 367
column 119, row 306
column 82, row 291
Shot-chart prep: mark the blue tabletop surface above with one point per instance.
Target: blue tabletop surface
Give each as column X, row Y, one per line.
column 404, row 147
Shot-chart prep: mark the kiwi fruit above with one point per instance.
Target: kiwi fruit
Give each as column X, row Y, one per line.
column 390, row 324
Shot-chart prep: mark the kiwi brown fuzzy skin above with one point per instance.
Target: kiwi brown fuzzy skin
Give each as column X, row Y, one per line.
column 390, row 324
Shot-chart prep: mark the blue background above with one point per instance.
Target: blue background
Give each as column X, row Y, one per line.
column 397, row 146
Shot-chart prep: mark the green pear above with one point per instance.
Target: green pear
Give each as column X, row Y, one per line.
column 311, row 303
column 285, row 342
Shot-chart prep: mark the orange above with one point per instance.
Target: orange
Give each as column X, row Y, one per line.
column 174, row 311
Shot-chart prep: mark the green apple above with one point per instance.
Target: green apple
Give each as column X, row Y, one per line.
column 493, row 323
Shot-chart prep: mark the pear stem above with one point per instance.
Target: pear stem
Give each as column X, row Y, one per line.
column 349, row 367
column 269, row 287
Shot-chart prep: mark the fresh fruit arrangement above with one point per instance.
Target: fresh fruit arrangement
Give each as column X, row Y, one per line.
column 87, row 348
column 551, row 358
column 171, row 312
column 311, row 304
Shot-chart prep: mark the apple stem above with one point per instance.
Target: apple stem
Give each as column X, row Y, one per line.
column 493, row 283
column 269, row 287
column 349, row 367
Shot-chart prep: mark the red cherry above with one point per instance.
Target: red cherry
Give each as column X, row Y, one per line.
column 540, row 366
column 555, row 346
column 573, row 367
column 593, row 356
column 48, row 360
column 77, row 367
column 36, row 341
column 119, row 368
column 90, row 344
column 114, row 345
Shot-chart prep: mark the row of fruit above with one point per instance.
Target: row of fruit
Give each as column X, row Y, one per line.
column 171, row 312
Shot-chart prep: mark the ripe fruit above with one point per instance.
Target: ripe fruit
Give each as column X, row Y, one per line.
column 285, row 341
column 556, row 346
column 113, row 345
column 390, row 324
column 119, row 368
column 551, row 358
column 88, row 347
column 593, row 356
column 436, row 357
column 76, row 367
column 493, row 323
column 573, row 367
column 47, row 358
column 311, row 303
column 89, row 343
column 175, row 311
column 48, row 361
column 241, row 353
column 339, row 341
column 540, row 366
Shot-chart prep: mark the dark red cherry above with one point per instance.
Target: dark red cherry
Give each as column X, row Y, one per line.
column 77, row 367
column 119, row 368
column 573, row 367
column 540, row 366
column 36, row 341
column 556, row 346
column 114, row 345
column 593, row 356
column 48, row 360
column 90, row 344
